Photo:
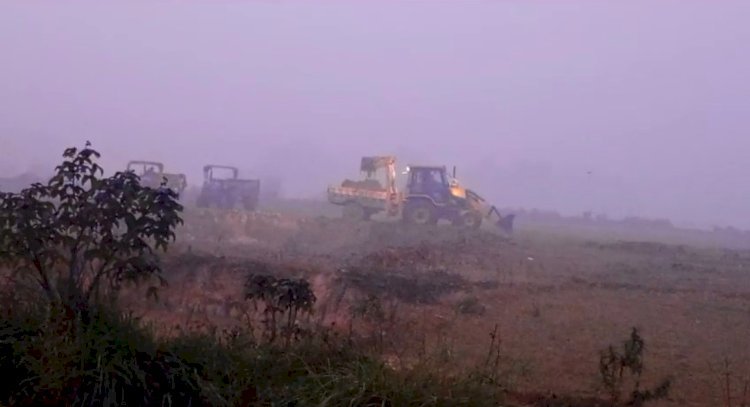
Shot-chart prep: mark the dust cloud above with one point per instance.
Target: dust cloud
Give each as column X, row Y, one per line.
column 627, row 109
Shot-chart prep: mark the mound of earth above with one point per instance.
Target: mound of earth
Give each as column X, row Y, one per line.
column 368, row 184
column 319, row 236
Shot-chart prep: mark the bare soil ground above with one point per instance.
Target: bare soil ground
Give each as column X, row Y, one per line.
column 556, row 300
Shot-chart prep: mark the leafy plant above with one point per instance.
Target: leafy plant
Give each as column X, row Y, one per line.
column 613, row 365
column 81, row 234
column 109, row 360
column 283, row 300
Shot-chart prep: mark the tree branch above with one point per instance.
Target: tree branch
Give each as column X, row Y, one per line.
column 98, row 276
column 44, row 278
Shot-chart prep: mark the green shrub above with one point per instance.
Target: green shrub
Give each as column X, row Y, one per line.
column 81, row 235
column 109, row 360
column 282, row 300
column 75, row 240
column 113, row 360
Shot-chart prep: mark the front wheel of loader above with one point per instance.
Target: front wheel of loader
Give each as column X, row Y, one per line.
column 469, row 220
column 354, row 212
column 420, row 213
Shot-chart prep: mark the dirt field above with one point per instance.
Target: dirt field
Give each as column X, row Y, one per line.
column 556, row 299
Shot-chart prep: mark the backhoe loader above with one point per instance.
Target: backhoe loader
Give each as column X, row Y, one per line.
column 430, row 195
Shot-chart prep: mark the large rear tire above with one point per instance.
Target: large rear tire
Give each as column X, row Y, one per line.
column 420, row 213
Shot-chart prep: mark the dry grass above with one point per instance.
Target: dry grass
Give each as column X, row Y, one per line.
column 556, row 300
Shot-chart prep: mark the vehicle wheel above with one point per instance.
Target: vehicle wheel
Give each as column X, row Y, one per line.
column 226, row 203
column 249, row 205
column 201, row 202
column 469, row 220
column 420, row 213
column 354, row 212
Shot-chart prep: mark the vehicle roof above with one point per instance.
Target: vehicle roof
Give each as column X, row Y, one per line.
column 226, row 167
column 428, row 167
column 145, row 162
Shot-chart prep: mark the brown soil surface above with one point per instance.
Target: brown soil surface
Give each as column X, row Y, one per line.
column 556, row 300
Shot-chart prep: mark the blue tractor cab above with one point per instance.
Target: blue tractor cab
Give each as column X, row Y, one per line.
column 432, row 195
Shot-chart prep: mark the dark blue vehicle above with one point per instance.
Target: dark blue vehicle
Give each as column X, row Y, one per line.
column 229, row 191
column 431, row 195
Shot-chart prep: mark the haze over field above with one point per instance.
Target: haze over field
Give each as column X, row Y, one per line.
column 629, row 109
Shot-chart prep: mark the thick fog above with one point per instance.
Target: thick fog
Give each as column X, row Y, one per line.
column 629, row 108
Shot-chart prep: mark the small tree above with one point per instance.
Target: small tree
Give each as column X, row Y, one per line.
column 282, row 299
column 82, row 234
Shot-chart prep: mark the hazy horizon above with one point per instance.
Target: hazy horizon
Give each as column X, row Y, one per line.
column 636, row 109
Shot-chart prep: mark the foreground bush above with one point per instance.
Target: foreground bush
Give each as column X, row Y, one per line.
column 82, row 235
column 69, row 245
column 50, row 359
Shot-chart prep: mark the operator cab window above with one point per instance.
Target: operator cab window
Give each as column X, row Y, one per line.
column 429, row 178
column 439, row 177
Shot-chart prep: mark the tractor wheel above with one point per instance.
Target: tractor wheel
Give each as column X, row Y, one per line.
column 469, row 220
column 225, row 203
column 249, row 204
column 420, row 213
column 354, row 212
column 201, row 202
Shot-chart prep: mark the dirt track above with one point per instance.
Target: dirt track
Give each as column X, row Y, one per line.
column 557, row 301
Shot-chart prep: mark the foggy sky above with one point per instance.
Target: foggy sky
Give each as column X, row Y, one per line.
column 526, row 98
